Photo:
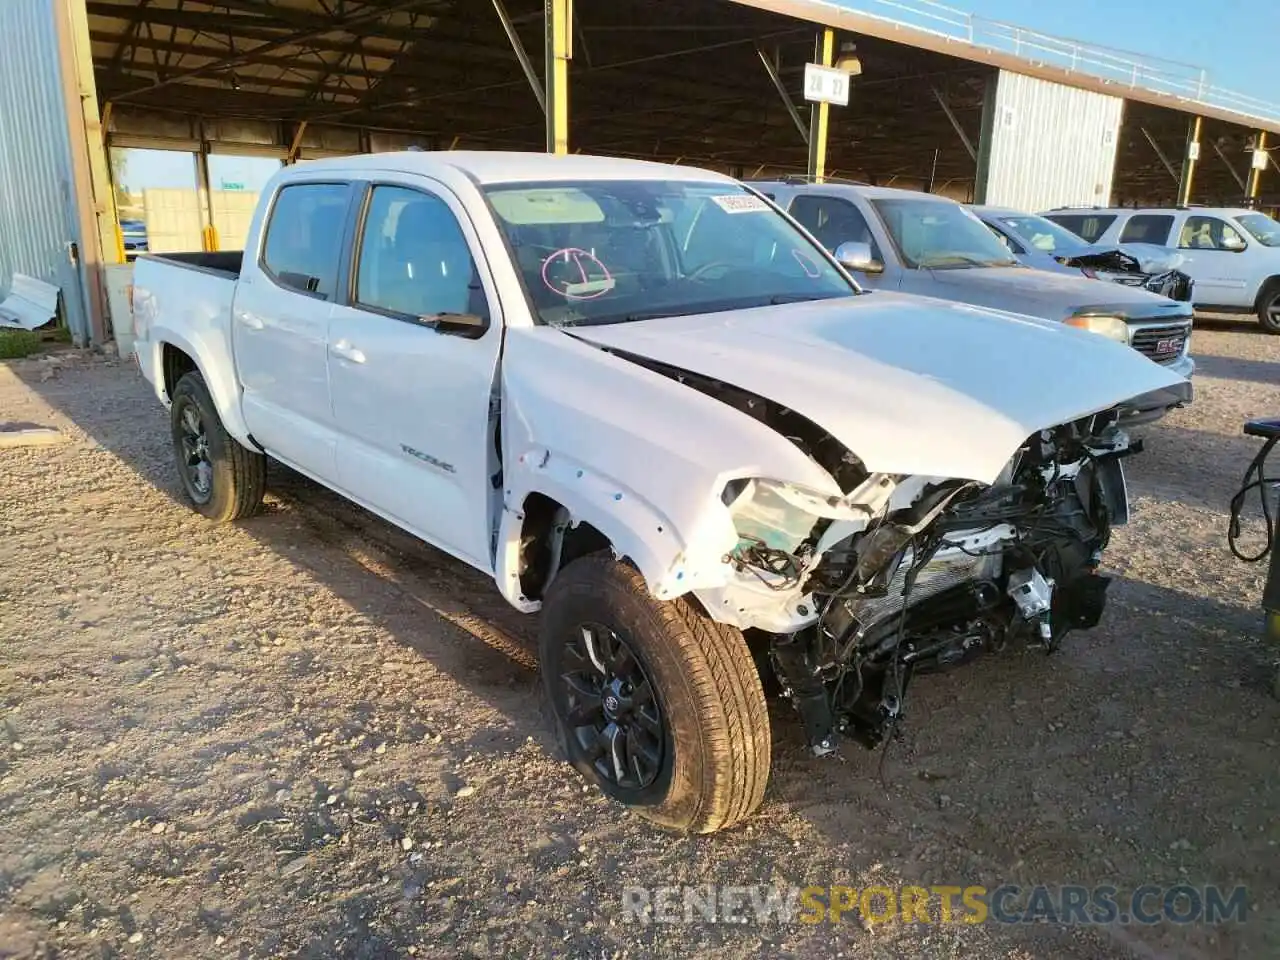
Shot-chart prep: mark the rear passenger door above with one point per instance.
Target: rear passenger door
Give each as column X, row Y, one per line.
column 280, row 321
column 413, row 403
column 1216, row 260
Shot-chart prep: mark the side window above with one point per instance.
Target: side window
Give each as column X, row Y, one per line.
column 414, row 260
column 1008, row 241
column 711, row 236
column 304, row 237
column 833, row 221
column 1210, row 233
column 1086, row 226
column 1147, row 228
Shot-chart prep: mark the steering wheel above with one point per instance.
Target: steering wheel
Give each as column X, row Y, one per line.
column 699, row 273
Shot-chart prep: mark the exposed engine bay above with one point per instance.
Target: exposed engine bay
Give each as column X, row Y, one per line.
column 907, row 574
column 935, row 572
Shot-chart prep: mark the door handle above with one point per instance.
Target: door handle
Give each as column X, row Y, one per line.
column 346, row 351
column 250, row 321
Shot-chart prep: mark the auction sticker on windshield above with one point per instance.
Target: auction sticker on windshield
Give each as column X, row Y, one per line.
column 740, row 203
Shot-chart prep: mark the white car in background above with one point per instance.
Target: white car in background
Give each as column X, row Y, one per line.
column 1233, row 255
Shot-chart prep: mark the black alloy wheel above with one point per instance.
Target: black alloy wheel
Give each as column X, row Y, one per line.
column 612, row 711
column 196, row 466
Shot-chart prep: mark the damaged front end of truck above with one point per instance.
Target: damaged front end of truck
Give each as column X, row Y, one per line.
column 867, row 490
column 933, row 572
column 904, row 574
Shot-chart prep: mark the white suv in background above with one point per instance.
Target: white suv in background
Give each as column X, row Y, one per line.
column 1233, row 255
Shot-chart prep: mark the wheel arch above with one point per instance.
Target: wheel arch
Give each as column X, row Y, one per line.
column 179, row 356
column 584, row 521
column 1268, row 284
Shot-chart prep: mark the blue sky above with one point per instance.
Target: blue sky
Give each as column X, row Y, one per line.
column 168, row 168
column 1235, row 40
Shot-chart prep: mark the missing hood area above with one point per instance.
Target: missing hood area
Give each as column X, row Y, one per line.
column 907, row 574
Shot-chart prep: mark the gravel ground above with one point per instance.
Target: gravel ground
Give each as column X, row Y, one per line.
column 308, row 735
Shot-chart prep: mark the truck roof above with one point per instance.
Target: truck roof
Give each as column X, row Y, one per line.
column 862, row 189
column 495, row 166
column 1145, row 211
column 983, row 209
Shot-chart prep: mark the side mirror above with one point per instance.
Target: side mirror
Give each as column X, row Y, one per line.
column 857, row 257
column 467, row 325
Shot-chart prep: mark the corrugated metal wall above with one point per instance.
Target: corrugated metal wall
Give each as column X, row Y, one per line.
column 1049, row 145
column 37, row 193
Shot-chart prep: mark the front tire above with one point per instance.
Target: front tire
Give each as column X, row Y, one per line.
column 222, row 479
column 656, row 703
column 1269, row 307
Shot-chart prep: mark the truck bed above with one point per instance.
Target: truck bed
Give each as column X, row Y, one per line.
column 186, row 299
column 224, row 263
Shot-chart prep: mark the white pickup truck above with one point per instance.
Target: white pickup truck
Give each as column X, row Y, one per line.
column 650, row 405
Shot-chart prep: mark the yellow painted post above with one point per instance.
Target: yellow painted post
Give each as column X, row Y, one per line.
column 208, row 233
column 559, row 33
column 1255, row 171
column 820, row 113
column 296, row 145
column 1189, row 159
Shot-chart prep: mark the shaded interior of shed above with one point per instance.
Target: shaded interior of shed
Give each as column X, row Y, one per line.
column 684, row 80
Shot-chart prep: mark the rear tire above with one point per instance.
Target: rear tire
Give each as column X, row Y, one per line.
column 656, row 703
column 222, row 479
column 1269, row 307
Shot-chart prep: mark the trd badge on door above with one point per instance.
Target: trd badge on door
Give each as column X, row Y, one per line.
column 427, row 458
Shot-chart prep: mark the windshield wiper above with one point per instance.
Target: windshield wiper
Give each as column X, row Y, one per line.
column 962, row 259
column 651, row 315
column 780, row 298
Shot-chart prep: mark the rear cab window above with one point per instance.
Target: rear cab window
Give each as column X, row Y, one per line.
column 1087, row 226
column 303, row 245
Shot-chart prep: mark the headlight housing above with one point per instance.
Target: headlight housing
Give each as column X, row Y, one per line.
column 1111, row 327
column 776, row 514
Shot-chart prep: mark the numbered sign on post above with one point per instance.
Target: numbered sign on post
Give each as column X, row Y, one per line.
column 826, row 85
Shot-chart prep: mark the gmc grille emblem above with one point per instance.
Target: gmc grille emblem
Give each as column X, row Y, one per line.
column 1169, row 345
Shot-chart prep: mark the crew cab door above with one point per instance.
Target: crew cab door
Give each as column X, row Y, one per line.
column 1218, row 259
column 412, row 400
column 280, row 321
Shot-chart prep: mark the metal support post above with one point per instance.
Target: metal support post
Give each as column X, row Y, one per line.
column 820, row 113
column 1189, row 158
column 559, row 36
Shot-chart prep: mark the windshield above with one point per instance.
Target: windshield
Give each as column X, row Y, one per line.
column 939, row 234
column 616, row 250
column 1044, row 235
column 1262, row 228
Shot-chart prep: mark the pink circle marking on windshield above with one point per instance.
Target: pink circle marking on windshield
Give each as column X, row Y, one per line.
column 581, row 259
